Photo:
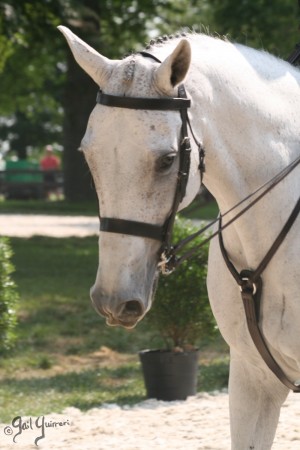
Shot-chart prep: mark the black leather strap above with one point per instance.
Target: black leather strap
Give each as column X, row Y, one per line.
column 278, row 241
column 158, row 104
column 132, row 228
column 251, row 286
column 149, row 55
column 269, row 255
column 182, row 178
column 294, row 57
column 251, row 305
column 174, row 261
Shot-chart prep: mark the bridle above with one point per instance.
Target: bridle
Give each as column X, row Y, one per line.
column 249, row 281
column 169, row 259
column 162, row 233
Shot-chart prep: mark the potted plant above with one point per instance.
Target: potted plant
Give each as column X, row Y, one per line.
column 181, row 315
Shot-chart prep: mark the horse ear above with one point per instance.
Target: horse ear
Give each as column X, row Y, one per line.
column 95, row 65
column 174, row 69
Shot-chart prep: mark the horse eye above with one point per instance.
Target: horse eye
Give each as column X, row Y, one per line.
column 165, row 162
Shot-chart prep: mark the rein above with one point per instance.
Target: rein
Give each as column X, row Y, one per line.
column 172, row 261
column 249, row 281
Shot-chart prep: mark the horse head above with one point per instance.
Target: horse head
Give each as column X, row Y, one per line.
column 133, row 158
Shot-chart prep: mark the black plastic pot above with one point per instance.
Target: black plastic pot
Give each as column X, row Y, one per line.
column 169, row 375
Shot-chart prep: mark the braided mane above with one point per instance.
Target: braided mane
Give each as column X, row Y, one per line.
column 165, row 38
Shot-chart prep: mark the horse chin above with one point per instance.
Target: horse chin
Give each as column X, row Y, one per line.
column 128, row 325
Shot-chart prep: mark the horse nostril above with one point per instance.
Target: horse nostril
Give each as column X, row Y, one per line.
column 132, row 308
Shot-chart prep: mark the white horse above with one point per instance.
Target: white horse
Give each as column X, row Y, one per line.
column 246, row 112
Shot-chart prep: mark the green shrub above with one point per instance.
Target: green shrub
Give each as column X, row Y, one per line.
column 181, row 312
column 8, row 297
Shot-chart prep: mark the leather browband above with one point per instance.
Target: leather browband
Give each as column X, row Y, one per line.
column 132, row 228
column 162, row 104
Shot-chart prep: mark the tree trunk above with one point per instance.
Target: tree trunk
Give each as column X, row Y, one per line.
column 79, row 100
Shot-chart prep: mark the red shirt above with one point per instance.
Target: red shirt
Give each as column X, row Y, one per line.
column 49, row 162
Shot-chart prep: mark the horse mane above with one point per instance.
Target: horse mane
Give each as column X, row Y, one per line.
column 259, row 59
column 129, row 70
column 256, row 57
column 163, row 39
column 184, row 34
column 160, row 41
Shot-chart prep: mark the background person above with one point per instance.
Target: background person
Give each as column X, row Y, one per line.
column 50, row 164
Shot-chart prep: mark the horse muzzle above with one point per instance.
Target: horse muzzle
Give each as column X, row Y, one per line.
column 118, row 313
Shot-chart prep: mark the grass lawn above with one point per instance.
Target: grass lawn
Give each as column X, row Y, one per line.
column 66, row 355
column 60, row 207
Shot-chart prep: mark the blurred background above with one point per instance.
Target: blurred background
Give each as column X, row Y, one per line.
column 45, row 98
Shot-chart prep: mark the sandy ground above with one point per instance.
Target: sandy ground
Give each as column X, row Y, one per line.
column 199, row 423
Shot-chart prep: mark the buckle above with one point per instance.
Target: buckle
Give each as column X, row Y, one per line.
column 167, row 263
column 98, row 96
column 247, row 285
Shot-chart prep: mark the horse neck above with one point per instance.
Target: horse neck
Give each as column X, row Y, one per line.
column 249, row 122
column 248, row 119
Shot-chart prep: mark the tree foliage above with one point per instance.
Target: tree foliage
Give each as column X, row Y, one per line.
column 46, row 98
column 264, row 24
column 30, row 79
